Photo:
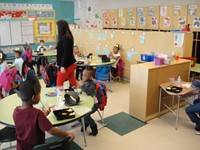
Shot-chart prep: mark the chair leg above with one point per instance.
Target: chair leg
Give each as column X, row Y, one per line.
column 102, row 121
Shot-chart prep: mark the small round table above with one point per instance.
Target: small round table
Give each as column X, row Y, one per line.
column 9, row 103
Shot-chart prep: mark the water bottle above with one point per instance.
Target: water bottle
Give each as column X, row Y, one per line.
column 179, row 81
column 59, row 96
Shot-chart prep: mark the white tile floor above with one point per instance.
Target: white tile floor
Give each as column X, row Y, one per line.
column 158, row 134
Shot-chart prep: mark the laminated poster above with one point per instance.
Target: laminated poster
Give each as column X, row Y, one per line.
column 181, row 22
column 178, row 39
column 132, row 21
column 142, row 21
column 142, row 38
column 196, row 22
column 140, row 12
column 167, row 22
column 163, row 11
column 123, row 21
column 177, row 9
column 151, row 11
column 192, row 10
column 99, row 36
column 130, row 11
column 154, row 21
column 114, row 21
column 120, row 12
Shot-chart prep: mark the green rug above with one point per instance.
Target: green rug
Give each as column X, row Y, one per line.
column 122, row 123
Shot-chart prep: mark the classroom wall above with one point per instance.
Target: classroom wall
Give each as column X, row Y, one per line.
column 63, row 10
column 87, row 18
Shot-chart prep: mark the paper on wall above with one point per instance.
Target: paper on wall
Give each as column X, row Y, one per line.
column 163, row 11
column 178, row 39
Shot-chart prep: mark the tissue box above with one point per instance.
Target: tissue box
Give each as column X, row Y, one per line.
column 159, row 61
column 147, row 58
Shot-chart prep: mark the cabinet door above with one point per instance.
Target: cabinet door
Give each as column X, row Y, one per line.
column 194, row 17
column 142, row 20
column 122, row 18
column 153, row 17
column 166, row 17
column 131, row 18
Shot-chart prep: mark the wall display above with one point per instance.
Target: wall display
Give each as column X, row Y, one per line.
column 192, row 9
column 15, row 15
column 181, row 21
column 41, row 14
column 44, row 30
column 194, row 17
column 163, row 11
column 151, row 11
column 154, row 21
column 196, row 22
column 21, row 6
column 142, row 21
column 177, row 9
column 167, row 22
column 140, row 12
column 131, row 17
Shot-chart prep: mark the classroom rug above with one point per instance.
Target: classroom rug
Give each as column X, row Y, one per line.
column 75, row 146
column 122, row 123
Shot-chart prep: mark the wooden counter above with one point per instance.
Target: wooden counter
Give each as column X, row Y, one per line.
column 144, row 86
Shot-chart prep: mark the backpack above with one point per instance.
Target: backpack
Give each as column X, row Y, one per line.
column 101, row 94
column 49, row 75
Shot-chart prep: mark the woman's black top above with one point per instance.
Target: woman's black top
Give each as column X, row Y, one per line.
column 65, row 57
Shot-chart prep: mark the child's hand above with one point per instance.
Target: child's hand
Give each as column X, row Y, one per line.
column 71, row 136
column 111, row 54
column 80, row 83
column 62, row 70
column 46, row 112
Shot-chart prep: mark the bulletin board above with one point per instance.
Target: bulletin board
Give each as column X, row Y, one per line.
column 113, row 18
column 122, row 18
column 179, row 16
column 102, row 41
column 194, row 17
column 44, row 30
column 142, row 17
column 131, row 18
column 153, row 17
column 166, row 17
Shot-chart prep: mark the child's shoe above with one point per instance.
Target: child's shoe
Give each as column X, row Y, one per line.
column 94, row 130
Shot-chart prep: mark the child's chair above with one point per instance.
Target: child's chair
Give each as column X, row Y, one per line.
column 55, row 143
column 101, row 95
column 7, row 134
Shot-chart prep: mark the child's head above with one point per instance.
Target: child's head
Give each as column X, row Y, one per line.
column 2, row 56
column 27, row 47
column 88, row 73
column 116, row 48
column 17, row 52
column 29, row 90
column 76, row 49
column 42, row 42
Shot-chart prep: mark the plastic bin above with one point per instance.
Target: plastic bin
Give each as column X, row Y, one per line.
column 159, row 61
column 147, row 58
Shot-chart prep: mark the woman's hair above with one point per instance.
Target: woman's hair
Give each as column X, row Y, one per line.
column 63, row 29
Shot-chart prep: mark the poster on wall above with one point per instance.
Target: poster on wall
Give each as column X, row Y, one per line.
column 123, row 21
column 114, row 21
column 140, row 12
column 44, row 30
column 142, row 21
column 132, row 21
column 154, row 21
column 15, row 15
column 177, row 9
column 192, row 9
column 181, row 21
column 196, row 22
column 151, row 11
column 178, row 39
column 120, row 12
column 130, row 12
column 167, row 22
column 41, row 14
column 163, row 11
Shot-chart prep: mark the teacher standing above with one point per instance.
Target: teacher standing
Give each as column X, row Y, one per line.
column 65, row 57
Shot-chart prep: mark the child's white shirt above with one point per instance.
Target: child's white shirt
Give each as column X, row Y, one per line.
column 115, row 56
column 18, row 64
column 38, row 48
column 3, row 66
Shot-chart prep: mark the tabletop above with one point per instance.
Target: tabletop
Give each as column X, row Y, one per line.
column 95, row 61
column 46, row 53
column 8, row 104
column 185, row 90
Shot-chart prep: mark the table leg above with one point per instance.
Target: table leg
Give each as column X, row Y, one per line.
column 173, row 103
column 177, row 115
column 159, row 105
column 84, row 134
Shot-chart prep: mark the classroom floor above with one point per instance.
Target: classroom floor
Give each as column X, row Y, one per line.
column 158, row 134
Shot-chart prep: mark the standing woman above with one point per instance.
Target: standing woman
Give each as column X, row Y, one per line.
column 65, row 57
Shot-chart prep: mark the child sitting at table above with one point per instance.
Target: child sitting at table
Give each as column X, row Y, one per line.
column 30, row 122
column 79, row 69
column 88, row 86
column 3, row 64
column 18, row 60
column 41, row 48
column 115, row 55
